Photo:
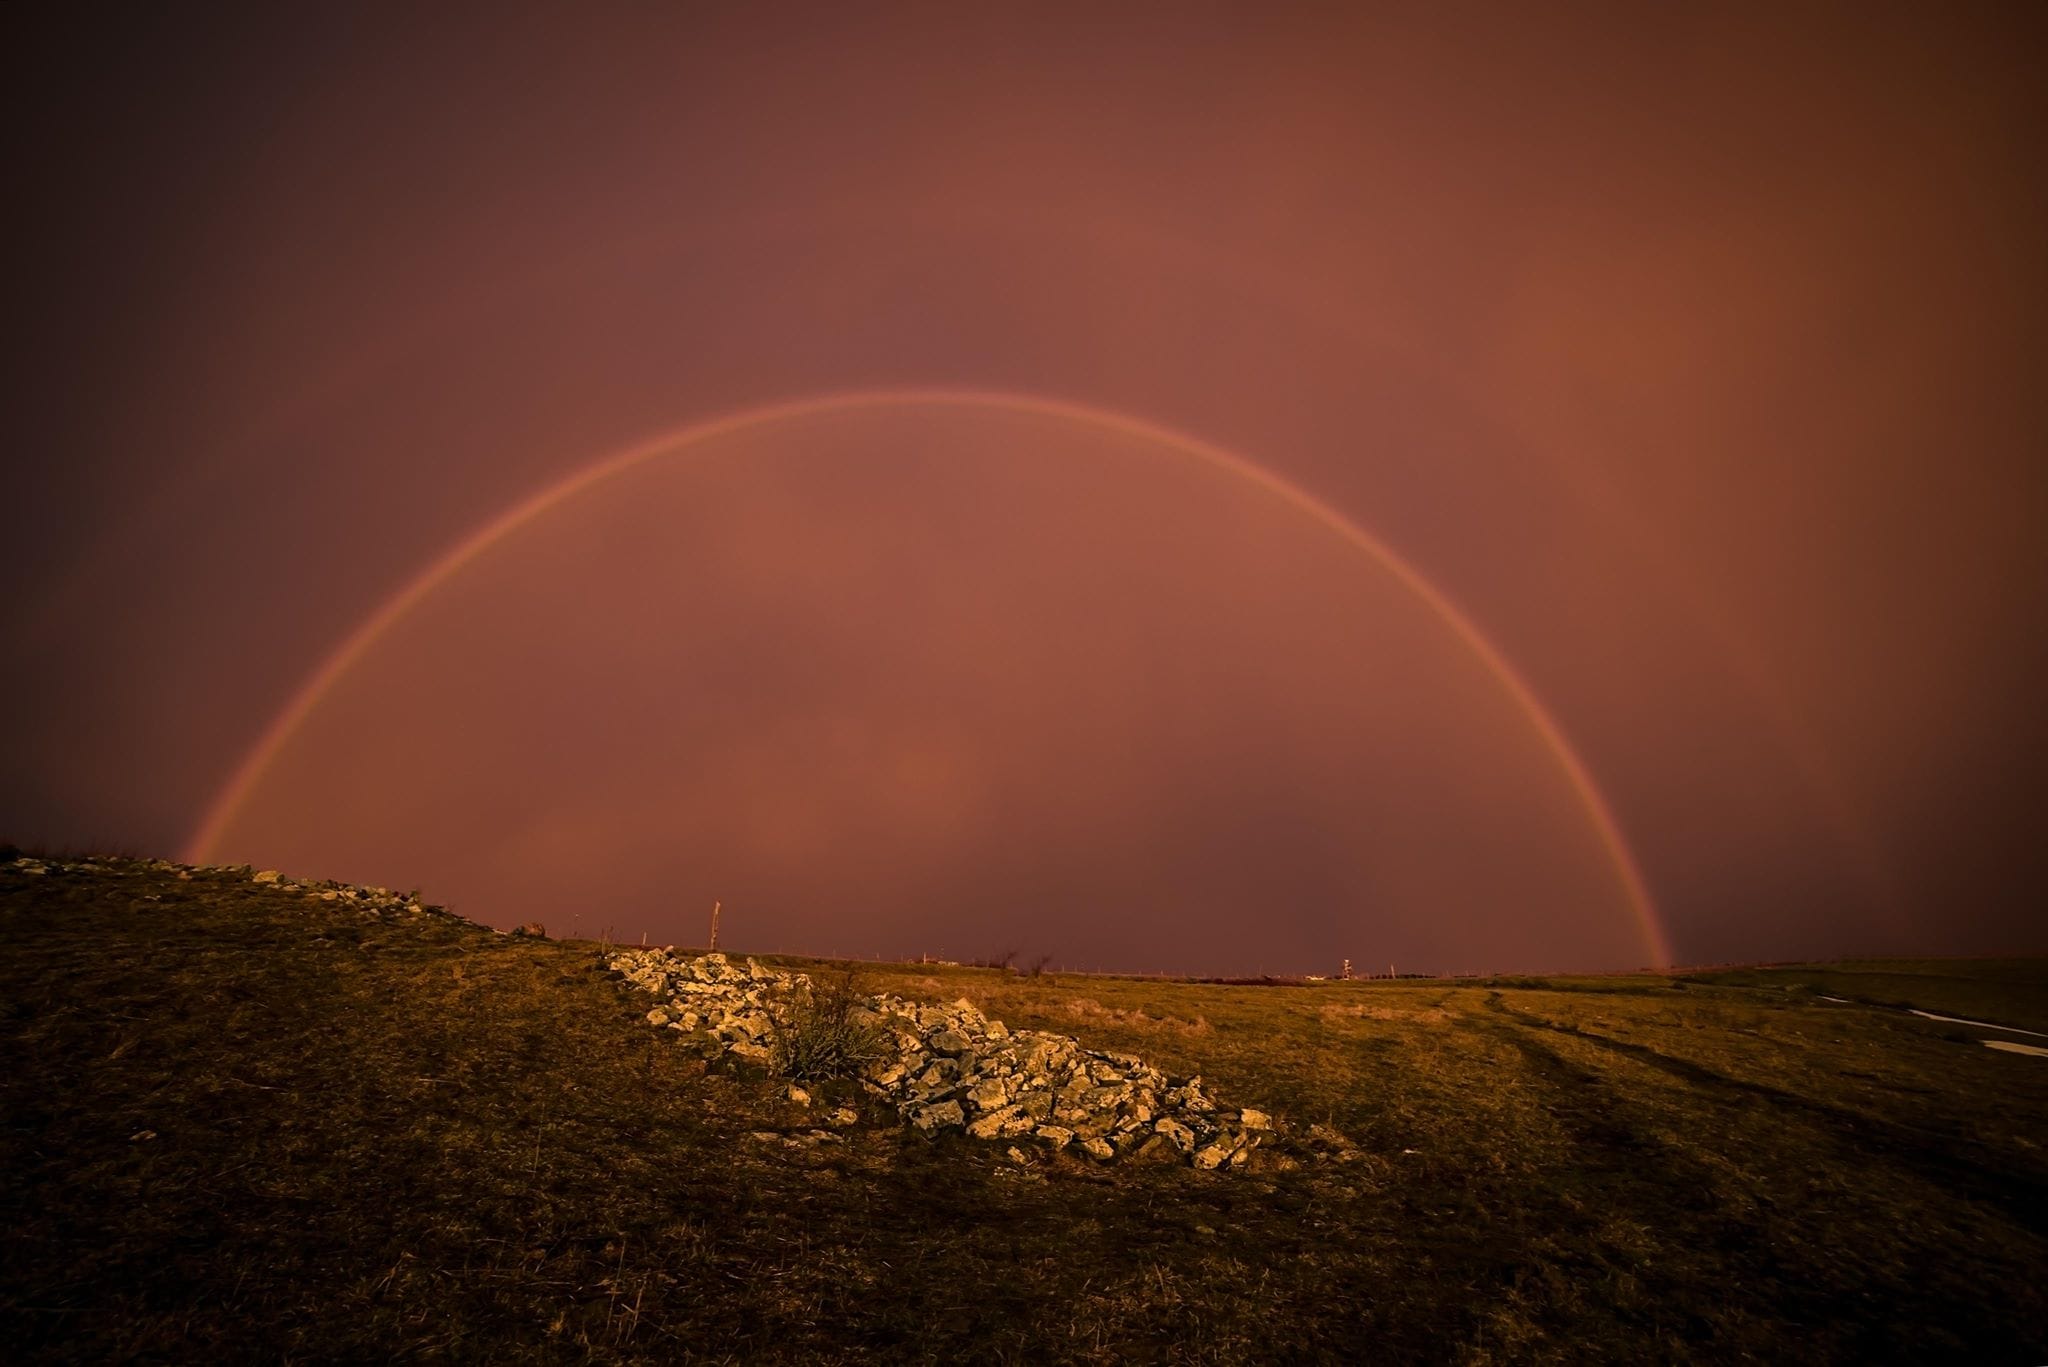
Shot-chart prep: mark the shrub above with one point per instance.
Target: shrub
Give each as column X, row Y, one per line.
column 827, row 1030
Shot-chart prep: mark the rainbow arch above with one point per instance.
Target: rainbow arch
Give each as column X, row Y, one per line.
column 262, row 754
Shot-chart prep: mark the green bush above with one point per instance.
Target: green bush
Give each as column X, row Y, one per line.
column 827, row 1030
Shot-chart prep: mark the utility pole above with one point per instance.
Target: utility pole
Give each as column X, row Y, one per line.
column 714, row 928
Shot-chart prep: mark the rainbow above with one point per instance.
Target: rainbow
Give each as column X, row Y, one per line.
column 359, row 642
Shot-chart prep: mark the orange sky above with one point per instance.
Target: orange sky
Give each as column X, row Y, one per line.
column 1694, row 357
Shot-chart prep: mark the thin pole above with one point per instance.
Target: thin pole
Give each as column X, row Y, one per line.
column 714, row 928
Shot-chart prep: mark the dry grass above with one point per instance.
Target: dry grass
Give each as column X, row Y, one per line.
column 1362, row 1011
column 239, row 1121
column 1088, row 1010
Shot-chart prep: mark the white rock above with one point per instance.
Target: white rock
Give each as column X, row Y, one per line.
column 990, row 1125
column 936, row 1116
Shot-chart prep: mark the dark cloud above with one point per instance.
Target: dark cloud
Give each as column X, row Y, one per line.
column 1693, row 356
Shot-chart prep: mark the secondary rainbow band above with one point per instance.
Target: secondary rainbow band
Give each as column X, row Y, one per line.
column 261, row 755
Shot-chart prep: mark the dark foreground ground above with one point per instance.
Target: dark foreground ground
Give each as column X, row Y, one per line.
column 238, row 1121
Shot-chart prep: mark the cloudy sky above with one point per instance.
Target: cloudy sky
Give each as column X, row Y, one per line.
column 1219, row 488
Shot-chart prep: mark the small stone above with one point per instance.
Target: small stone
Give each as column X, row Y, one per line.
column 845, row 1115
column 938, row 1115
column 799, row 1095
column 950, row 1042
column 1180, row 1135
column 1212, row 1155
column 1255, row 1120
column 1055, row 1135
column 267, row 876
column 1016, row 1154
column 990, row 1095
column 657, row 1017
column 1097, row 1148
column 989, row 1125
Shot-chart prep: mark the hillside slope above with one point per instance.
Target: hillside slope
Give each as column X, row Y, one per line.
column 259, row 1120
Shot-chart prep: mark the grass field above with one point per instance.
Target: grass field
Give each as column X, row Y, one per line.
column 240, row 1121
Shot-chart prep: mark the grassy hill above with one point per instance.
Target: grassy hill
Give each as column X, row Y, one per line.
column 249, row 1120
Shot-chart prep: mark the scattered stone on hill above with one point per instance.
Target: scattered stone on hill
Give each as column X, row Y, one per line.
column 533, row 928
column 378, row 904
column 950, row 1067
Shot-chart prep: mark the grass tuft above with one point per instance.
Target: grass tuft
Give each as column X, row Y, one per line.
column 827, row 1030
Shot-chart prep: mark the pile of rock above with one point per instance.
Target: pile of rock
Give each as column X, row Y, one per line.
column 950, row 1066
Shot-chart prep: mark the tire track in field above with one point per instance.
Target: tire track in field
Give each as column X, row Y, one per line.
column 1929, row 1155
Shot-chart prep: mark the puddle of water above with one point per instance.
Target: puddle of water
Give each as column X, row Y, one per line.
column 1981, row 1025
column 2008, row 1047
